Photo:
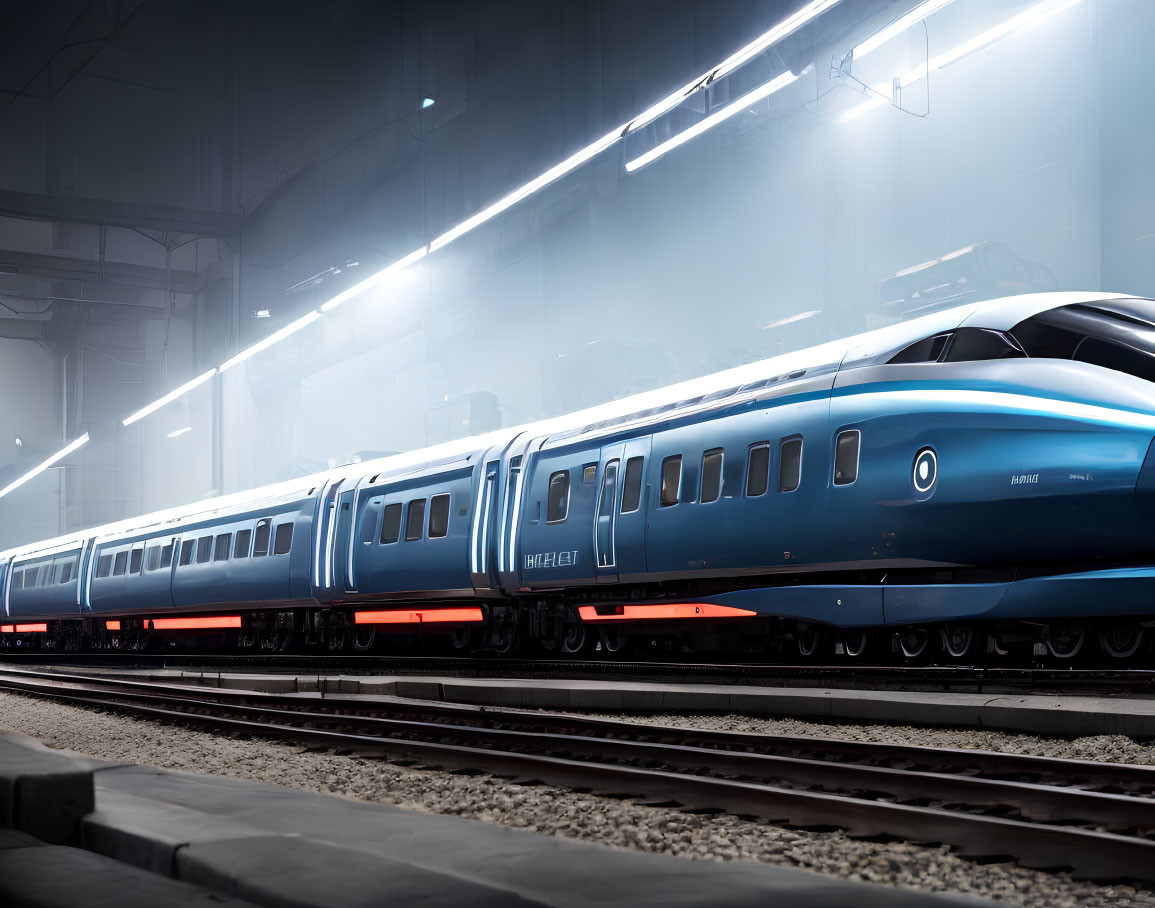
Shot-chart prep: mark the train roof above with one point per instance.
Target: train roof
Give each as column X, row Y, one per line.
column 716, row 389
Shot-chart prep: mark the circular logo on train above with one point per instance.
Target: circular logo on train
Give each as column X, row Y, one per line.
column 925, row 470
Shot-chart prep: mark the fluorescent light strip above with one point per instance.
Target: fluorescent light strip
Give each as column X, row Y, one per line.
column 786, row 27
column 1036, row 14
column 897, row 27
column 168, row 398
column 758, row 94
column 36, row 471
column 289, row 329
column 177, row 433
column 554, row 173
column 400, row 265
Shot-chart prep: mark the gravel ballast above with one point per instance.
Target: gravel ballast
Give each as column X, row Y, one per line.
column 1100, row 748
column 554, row 811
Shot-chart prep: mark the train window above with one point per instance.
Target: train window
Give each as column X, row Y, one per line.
column 391, row 524
column 557, row 497
column 166, row 556
column 261, row 538
column 711, row 476
column 590, row 473
column 758, row 470
column 790, row 464
column 438, row 516
column 18, row 580
column 30, row 574
column 671, row 480
column 204, row 549
column 186, row 552
column 244, row 540
column 43, row 572
column 104, row 566
column 369, row 526
column 632, row 485
column 283, row 541
column 224, row 543
column 927, row 350
column 152, row 559
column 66, row 571
column 415, row 520
column 136, row 561
column 846, row 457
column 120, row 564
column 972, row 344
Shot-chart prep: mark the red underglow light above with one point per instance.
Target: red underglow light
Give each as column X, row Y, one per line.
column 7, row 628
column 213, row 622
column 420, row 616
column 112, row 625
column 664, row 612
column 32, row 628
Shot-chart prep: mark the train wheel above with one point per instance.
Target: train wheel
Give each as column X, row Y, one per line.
column 364, row 639
column 574, row 639
column 1064, row 640
column 807, row 638
column 958, row 640
column 853, row 643
column 461, row 637
column 1122, row 640
column 914, row 642
column 613, row 640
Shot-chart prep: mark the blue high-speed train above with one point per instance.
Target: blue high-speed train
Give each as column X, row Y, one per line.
column 958, row 486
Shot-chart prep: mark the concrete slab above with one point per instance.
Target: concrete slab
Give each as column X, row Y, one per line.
column 312, row 849
column 53, row 876
column 43, row 792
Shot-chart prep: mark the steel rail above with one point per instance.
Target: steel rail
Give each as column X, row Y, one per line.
column 879, row 676
column 1084, row 773
column 1089, row 852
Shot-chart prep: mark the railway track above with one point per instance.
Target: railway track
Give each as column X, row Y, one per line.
column 1096, row 819
column 973, row 679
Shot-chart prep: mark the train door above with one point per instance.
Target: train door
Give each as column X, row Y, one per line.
column 631, row 521
column 347, row 534
column 605, row 515
column 482, row 546
column 325, row 540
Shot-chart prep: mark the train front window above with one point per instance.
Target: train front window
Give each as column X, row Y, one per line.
column 1115, row 334
column 963, row 345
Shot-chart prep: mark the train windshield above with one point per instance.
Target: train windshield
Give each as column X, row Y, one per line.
column 1115, row 334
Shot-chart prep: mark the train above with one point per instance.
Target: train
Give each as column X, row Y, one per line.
column 973, row 484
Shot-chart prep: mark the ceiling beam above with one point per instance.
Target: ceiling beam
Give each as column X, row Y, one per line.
column 66, row 268
column 77, row 210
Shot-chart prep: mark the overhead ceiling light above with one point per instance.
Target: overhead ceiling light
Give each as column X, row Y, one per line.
column 19, row 443
column 1032, row 16
column 37, row 470
column 554, row 173
column 783, row 29
column 261, row 313
column 743, row 103
column 897, row 27
column 427, row 102
column 168, row 398
column 177, row 433
column 396, row 268
column 265, row 343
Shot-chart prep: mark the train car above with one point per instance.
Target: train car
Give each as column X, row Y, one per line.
column 958, row 486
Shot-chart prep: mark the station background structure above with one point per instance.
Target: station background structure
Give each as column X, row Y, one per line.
column 170, row 173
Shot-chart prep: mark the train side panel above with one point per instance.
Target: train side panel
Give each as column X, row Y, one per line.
column 411, row 539
column 44, row 587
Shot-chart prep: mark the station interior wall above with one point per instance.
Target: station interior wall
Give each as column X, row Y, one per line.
column 773, row 232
